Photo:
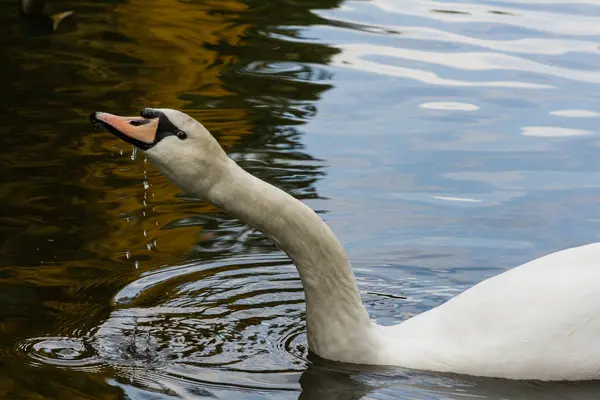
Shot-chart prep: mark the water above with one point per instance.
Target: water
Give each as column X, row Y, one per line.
column 443, row 142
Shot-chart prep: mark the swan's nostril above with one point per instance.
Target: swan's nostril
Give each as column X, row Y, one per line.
column 150, row 113
column 139, row 122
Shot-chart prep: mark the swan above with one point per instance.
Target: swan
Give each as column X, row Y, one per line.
column 538, row 321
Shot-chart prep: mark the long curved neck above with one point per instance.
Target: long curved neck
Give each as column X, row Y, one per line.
column 337, row 321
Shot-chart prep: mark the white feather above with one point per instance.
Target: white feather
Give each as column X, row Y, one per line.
column 540, row 320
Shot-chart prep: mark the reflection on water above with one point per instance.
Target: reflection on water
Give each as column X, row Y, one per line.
column 443, row 141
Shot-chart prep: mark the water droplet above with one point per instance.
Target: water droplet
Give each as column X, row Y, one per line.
column 145, row 233
column 121, row 152
column 137, row 265
column 146, row 185
column 149, row 246
column 133, row 153
column 144, row 201
column 128, row 254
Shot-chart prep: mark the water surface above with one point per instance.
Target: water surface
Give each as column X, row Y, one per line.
column 443, row 141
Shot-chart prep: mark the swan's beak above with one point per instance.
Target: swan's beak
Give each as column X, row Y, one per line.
column 138, row 131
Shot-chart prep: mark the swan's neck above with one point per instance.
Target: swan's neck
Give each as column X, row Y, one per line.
column 337, row 322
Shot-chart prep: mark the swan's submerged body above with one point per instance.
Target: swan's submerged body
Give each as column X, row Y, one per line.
column 537, row 321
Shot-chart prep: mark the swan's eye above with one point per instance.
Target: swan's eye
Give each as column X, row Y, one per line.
column 181, row 135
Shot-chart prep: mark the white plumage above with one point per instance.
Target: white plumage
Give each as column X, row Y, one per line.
column 540, row 320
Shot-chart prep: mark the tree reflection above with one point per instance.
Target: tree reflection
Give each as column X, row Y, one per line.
column 226, row 63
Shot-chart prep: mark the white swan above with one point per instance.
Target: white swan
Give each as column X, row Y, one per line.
column 540, row 320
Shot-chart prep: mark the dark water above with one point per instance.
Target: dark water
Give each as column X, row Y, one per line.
column 443, row 141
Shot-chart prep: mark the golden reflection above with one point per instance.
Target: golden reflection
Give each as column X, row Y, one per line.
column 176, row 63
column 176, row 51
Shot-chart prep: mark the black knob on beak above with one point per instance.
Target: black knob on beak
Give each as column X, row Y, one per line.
column 150, row 113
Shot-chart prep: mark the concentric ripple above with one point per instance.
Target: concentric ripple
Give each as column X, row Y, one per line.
column 60, row 352
column 242, row 316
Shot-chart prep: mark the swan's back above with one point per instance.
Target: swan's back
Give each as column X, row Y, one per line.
column 540, row 320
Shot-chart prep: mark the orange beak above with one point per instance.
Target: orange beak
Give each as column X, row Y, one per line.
column 139, row 131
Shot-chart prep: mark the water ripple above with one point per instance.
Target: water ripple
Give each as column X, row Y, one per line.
column 60, row 352
column 240, row 316
column 449, row 106
column 235, row 322
column 576, row 113
column 534, row 20
column 553, row 131
column 546, row 46
column 353, row 56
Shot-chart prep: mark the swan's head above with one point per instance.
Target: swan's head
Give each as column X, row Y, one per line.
column 181, row 147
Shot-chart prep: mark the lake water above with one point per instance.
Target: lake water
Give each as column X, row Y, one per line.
column 443, row 141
